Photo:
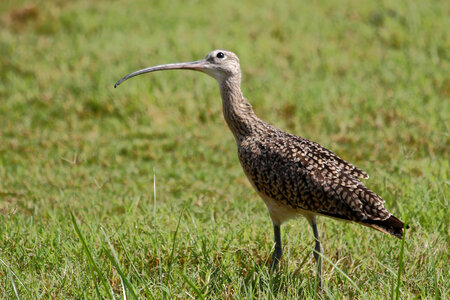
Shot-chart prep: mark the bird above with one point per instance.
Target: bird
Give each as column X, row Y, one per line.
column 293, row 175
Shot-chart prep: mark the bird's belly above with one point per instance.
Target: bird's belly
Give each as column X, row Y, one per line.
column 279, row 212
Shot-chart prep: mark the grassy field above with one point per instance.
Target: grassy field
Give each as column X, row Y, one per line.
column 149, row 171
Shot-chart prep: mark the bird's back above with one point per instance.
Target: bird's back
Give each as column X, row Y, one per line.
column 300, row 176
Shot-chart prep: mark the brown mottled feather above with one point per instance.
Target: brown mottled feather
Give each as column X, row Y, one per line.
column 304, row 176
column 296, row 174
column 293, row 175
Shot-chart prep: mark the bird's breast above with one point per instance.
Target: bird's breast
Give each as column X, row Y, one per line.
column 262, row 176
column 275, row 177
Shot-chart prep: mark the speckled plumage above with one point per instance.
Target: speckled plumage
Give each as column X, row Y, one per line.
column 296, row 176
column 293, row 175
column 304, row 176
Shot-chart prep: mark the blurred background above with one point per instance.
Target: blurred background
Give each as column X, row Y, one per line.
column 368, row 80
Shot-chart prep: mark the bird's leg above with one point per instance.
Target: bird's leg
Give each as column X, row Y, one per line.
column 317, row 249
column 276, row 257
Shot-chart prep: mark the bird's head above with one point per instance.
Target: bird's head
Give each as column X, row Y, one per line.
column 220, row 64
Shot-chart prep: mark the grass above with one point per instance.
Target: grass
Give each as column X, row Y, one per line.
column 138, row 190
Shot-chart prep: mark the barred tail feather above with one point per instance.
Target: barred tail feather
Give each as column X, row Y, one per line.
column 391, row 225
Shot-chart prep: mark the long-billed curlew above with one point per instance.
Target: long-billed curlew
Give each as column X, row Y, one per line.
column 293, row 175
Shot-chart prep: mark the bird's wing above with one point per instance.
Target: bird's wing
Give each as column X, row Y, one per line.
column 296, row 173
column 344, row 195
column 334, row 159
column 339, row 182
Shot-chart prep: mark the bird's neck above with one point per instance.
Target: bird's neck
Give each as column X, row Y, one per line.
column 237, row 111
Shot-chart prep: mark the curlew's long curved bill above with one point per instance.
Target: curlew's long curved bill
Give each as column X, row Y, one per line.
column 198, row 65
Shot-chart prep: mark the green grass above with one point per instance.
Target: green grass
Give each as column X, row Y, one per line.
column 161, row 207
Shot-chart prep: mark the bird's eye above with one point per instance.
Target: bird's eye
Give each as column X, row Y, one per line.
column 220, row 55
